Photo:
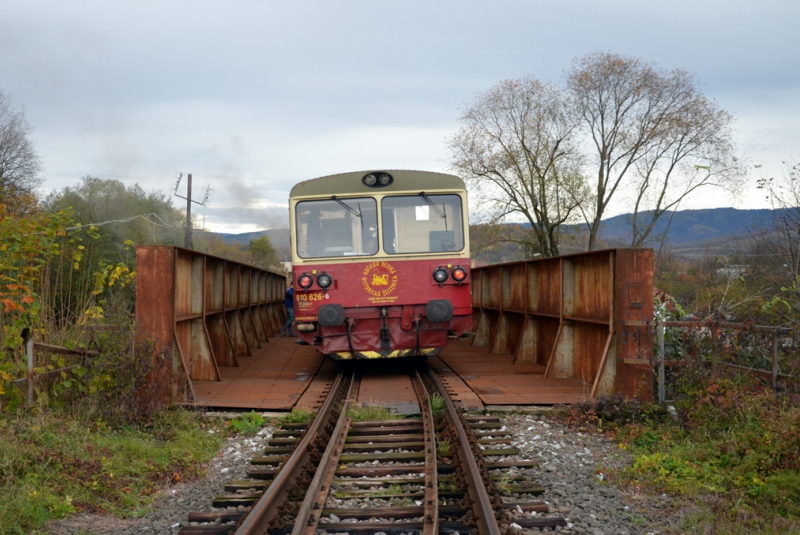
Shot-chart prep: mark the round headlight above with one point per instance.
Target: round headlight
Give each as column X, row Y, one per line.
column 370, row 179
column 324, row 280
column 305, row 281
column 384, row 179
column 440, row 275
column 459, row 274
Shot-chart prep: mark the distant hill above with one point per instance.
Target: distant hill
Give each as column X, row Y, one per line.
column 694, row 226
column 279, row 237
column 716, row 230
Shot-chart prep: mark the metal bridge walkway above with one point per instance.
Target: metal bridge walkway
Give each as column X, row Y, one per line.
column 498, row 380
column 278, row 375
column 273, row 378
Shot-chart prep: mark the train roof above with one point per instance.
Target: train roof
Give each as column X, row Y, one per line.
column 346, row 183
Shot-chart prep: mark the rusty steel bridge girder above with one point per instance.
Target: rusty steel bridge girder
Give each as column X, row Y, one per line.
column 584, row 316
column 204, row 310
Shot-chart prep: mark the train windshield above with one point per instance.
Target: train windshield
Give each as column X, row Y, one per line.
column 337, row 227
column 422, row 224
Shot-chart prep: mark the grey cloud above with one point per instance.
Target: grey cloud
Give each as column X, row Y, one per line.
column 266, row 94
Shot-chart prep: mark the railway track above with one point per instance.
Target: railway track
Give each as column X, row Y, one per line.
column 438, row 472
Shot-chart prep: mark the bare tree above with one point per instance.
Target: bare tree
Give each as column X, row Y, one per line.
column 777, row 260
column 19, row 163
column 651, row 134
column 517, row 152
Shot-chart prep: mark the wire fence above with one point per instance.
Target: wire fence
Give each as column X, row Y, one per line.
column 688, row 354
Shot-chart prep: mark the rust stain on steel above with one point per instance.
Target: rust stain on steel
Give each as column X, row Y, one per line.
column 592, row 283
column 214, row 284
column 461, row 394
column 482, row 508
column 588, row 339
column 207, row 311
column 265, row 509
column 317, row 391
column 548, row 287
column 515, row 296
column 155, row 295
column 195, row 351
column 633, row 301
column 547, row 332
column 220, row 341
column 268, row 380
column 389, row 389
column 498, row 380
column 571, row 314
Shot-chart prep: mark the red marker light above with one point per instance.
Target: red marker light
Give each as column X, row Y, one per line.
column 459, row 274
column 305, row 281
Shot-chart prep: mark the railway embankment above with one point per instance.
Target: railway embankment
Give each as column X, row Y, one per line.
column 574, row 467
column 720, row 464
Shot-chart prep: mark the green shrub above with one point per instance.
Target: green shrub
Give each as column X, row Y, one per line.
column 248, row 423
column 729, row 444
column 437, row 404
column 370, row 413
column 296, row 416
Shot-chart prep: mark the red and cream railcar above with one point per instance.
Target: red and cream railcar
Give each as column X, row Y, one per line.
column 381, row 263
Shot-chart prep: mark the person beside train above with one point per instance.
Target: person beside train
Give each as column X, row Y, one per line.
column 288, row 302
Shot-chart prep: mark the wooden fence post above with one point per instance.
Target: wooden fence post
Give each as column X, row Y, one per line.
column 775, row 360
column 714, row 336
column 661, row 385
column 30, row 354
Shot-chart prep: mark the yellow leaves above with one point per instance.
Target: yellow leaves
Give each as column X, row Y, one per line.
column 111, row 275
column 92, row 314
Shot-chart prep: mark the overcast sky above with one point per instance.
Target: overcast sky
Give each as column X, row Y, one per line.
column 254, row 96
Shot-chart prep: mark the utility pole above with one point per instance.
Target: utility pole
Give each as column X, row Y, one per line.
column 187, row 240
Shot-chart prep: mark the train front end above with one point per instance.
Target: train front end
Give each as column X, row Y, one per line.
column 380, row 263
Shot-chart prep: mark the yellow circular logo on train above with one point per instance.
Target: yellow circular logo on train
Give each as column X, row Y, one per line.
column 379, row 279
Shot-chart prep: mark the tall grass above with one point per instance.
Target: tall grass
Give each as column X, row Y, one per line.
column 731, row 449
column 57, row 462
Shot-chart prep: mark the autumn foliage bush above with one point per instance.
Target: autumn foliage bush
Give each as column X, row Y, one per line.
column 41, row 256
column 733, row 445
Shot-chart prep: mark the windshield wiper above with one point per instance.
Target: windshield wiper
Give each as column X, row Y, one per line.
column 350, row 209
column 442, row 213
column 430, row 203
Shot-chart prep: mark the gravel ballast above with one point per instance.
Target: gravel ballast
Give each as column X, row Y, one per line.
column 571, row 468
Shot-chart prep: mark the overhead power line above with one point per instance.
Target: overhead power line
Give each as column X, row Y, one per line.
column 188, row 237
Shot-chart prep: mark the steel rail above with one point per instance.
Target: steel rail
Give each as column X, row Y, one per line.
column 306, row 521
column 431, row 504
column 481, row 504
column 265, row 509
